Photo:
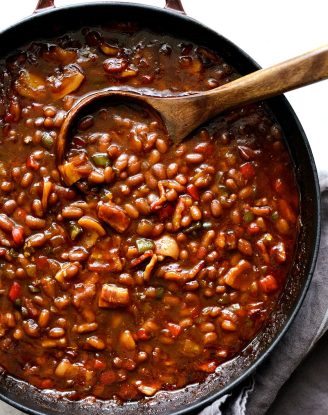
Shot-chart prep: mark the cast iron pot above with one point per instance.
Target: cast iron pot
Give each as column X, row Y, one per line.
column 53, row 22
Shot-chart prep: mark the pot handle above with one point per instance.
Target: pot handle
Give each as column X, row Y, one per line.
column 44, row 4
column 169, row 4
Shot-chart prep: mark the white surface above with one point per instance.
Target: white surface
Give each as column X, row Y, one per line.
column 270, row 32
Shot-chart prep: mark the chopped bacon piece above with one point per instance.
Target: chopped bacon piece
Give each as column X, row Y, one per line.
column 268, row 284
column 232, row 275
column 108, row 377
column 141, row 258
column 112, row 296
column 114, row 215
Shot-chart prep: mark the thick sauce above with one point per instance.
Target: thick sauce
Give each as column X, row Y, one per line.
column 158, row 262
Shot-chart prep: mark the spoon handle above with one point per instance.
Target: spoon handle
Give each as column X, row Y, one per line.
column 193, row 110
column 265, row 83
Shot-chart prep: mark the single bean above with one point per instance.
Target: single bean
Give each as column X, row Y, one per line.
column 48, row 123
column 145, row 228
column 35, row 223
column 246, row 192
column 9, row 206
column 172, row 170
column 114, row 151
column 86, row 327
column 192, row 285
column 122, row 162
column 131, row 210
column 86, row 122
column 150, row 180
column 49, row 111
column 186, row 221
column 135, row 180
column 172, row 195
column 235, row 216
column 245, row 247
column 216, row 208
column 72, row 212
column 210, row 338
column 44, row 318
column 228, row 325
column 154, row 157
column 109, row 174
column 96, row 177
column 281, row 225
column 59, row 118
column 31, row 328
column 9, row 320
column 96, row 343
column 6, row 186
column 16, row 173
column 36, row 241
column 134, row 165
column 161, row 145
column 194, row 158
column 195, row 212
column 56, row 333
column 37, row 207
column 159, row 171
column 127, row 341
column 206, row 327
column 6, row 224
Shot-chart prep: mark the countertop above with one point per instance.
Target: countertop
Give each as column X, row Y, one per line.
column 270, row 32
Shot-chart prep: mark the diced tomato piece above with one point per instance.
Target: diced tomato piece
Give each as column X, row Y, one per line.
column 46, row 384
column 201, row 252
column 279, row 186
column 42, row 263
column 193, row 191
column 20, row 215
column 99, row 364
column 208, row 367
column 32, row 163
column 166, row 212
column 18, row 235
column 15, row 291
column 253, row 228
column 247, row 170
column 268, row 283
column 174, row 329
column 108, row 377
column 142, row 334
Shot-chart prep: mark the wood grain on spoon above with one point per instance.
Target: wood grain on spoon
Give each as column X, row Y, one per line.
column 183, row 114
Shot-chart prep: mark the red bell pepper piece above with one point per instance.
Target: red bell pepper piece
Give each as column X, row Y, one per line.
column 247, row 170
column 15, row 291
column 193, row 191
column 174, row 329
column 18, row 235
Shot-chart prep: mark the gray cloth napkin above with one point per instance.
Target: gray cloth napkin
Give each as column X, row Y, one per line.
column 256, row 395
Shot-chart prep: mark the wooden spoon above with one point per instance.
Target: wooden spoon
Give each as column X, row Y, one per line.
column 182, row 114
